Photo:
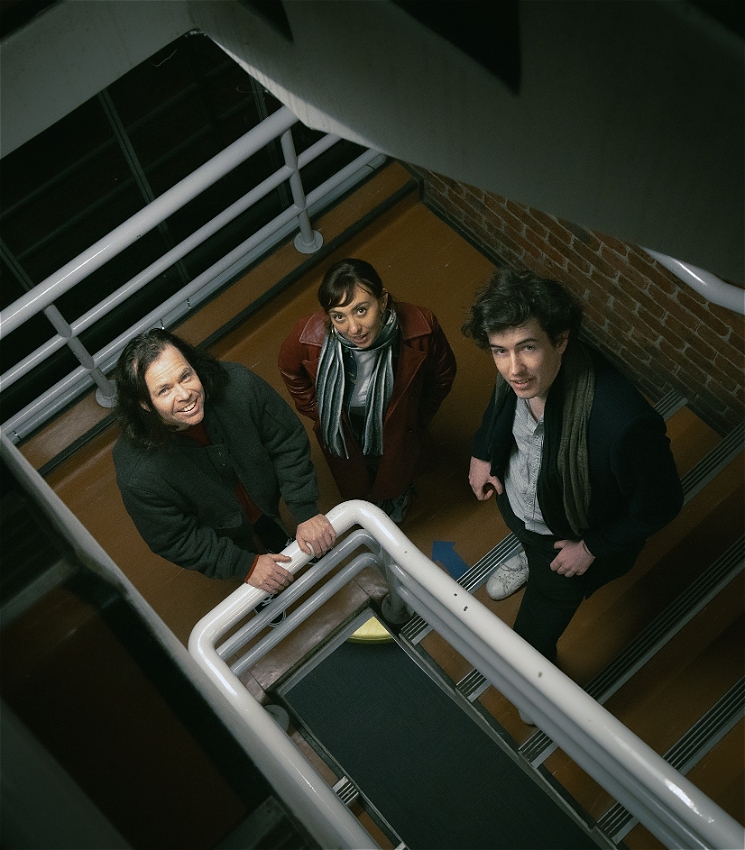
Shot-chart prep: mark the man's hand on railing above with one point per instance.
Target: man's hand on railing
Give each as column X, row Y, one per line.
column 267, row 574
column 315, row 536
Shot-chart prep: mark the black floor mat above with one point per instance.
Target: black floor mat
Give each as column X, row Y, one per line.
column 436, row 777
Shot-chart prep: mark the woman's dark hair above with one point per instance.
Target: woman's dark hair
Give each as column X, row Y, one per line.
column 337, row 288
column 143, row 425
column 511, row 299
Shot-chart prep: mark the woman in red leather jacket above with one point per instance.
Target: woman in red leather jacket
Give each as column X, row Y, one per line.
column 371, row 373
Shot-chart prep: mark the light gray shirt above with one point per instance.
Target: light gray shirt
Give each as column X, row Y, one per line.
column 521, row 477
column 365, row 365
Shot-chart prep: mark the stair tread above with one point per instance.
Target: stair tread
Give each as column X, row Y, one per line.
column 692, row 672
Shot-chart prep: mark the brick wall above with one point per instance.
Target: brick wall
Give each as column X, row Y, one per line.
column 658, row 330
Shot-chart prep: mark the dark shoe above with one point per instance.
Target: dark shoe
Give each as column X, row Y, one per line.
column 398, row 508
column 265, row 603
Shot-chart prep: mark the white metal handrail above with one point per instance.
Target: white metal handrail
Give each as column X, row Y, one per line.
column 712, row 288
column 670, row 806
column 165, row 261
column 93, row 366
column 145, row 220
column 167, row 313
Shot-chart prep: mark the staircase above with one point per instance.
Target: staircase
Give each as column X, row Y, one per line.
column 661, row 647
column 669, row 666
column 673, row 676
column 672, row 662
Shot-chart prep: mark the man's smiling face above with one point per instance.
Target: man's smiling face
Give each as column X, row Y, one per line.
column 175, row 390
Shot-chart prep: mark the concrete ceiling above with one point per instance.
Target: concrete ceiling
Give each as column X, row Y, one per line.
column 625, row 117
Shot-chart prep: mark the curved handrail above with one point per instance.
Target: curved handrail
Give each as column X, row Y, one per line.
column 670, row 806
column 713, row 288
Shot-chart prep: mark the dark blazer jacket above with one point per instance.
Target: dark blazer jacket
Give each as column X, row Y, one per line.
column 424, row 373
column 182, row 496
column 635, row 489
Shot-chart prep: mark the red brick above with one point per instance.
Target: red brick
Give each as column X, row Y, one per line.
column 732, row 370
column 616, row 259
column 578, row 265
column 703, row 359
column 587, row 237
column 705, row 333
column 537, row 229
column 618, row 327
column 551, row 224
column 542, row 251
column 518, row 210
column 692, row 301
column 641, row 260
column 596, row 260
column 672, row 325
column 621, row 248
column 727, row 317
column 517, row 223
column 694, row 376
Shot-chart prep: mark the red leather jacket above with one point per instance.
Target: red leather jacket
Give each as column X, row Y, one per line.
column 424, row 373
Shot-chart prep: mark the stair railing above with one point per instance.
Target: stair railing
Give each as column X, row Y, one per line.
column 663, row 800
column 712, row 288
column 92, row 367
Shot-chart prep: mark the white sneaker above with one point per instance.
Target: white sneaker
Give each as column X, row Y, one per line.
column 509, row 576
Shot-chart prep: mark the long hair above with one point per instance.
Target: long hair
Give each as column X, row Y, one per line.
column 511, row 299
column 137, row 417
column 339, row 282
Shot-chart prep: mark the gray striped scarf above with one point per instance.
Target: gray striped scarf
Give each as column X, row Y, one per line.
column 330, row 389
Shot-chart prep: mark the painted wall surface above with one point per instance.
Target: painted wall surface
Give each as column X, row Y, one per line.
column 628, row 119
column 629, row 116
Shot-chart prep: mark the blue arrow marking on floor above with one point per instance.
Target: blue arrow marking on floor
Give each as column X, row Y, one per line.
column 444, row 552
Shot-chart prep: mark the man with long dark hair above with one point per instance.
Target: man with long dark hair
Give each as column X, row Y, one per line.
column 579, row 461
column 205, row 453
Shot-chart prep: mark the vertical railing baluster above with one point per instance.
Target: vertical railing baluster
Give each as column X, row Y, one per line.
column 105, row 389
column 308, row 241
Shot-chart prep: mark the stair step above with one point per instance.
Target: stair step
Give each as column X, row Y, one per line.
column 688, row 751
column 680, row 612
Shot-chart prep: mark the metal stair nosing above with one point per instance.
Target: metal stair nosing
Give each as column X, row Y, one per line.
column 715, row 461
column 662, row 629
column 345, row 788
column 700, row 739
column 670, row 403
column 346, row 791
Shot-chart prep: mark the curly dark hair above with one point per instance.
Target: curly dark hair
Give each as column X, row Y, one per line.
column 512, row 298
column 137, row 416
column 339, row 282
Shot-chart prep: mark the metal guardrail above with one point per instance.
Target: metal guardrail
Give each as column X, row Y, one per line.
column 713, row 288
column 93, row 366
column 671, row 807
column 321, row 813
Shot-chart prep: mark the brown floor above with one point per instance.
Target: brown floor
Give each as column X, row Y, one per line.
column 422, row 260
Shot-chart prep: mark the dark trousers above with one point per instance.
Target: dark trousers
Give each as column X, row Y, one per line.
column 550, row 599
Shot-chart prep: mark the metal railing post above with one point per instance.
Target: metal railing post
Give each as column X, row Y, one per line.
column 308, row 241
column 105, row 389
column 393, row 607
